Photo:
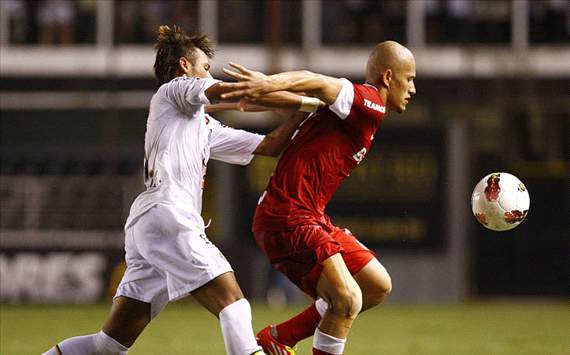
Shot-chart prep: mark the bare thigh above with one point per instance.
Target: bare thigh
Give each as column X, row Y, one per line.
column 218, row 293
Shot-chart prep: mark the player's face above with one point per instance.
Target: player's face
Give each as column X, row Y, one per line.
column 402, row 86
column 201, row 68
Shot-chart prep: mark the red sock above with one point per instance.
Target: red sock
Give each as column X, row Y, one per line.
column 320, row 352
column 300, row 327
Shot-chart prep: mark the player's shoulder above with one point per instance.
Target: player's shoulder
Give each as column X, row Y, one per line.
column 347, row 83
column 350, row 89
column 369, row 97
column 366, row 88
column 187, row 79
column 175, row 88
column 178, row 81
column 357, row 97
column 184, row 80
column 186, row 85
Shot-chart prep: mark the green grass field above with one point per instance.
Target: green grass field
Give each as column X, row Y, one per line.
column 499, row 327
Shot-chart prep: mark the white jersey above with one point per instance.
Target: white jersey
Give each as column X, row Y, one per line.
column 180, row 139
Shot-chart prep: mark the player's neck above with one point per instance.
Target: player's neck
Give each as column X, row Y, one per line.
column 382, row 91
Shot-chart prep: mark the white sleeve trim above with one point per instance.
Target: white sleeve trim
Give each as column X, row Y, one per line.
column 203, row 98
column 200, row 85
column 343, row 103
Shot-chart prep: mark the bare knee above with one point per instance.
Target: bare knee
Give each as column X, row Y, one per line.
column 375, row 283
column 376, row 294
column 127, row 320
column 384, row 287
column 347, row 302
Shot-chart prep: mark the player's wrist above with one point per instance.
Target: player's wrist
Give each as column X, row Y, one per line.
column 309, row 104
column 274, row 84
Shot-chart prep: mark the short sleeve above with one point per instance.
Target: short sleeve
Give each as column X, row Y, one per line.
column 185, row 91
column 230, row 145
column 343, row 103
column 360, row 108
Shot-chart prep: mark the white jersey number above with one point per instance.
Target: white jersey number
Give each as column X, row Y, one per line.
column 360, row 155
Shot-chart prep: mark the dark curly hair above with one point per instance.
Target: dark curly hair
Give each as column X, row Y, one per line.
column 173, row 44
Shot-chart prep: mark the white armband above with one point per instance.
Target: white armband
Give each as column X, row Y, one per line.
column 309, row 104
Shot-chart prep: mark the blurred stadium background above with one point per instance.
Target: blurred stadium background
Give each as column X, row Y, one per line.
column 493, row 80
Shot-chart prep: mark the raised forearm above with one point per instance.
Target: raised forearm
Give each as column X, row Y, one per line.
column 280, row 99
column 274, row 142
column 317, row 85
column 323, row 87
column 235, row 106
column 296, row 81
column 270, row 102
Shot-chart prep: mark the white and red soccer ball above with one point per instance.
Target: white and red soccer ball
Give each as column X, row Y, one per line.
column 500, row 201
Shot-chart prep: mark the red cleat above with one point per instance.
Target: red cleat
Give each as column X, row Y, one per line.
column 270, row 345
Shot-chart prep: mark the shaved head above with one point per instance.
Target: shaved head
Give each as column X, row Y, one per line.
column 387, row 55
column 391, row 68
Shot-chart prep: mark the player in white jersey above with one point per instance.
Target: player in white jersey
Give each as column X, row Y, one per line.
column 167, row 252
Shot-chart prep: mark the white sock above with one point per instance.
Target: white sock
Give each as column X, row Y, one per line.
column 94, row 344
column 237, row 330
column 328, row 343
column 321, row 306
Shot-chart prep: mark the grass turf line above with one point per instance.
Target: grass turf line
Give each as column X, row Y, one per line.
column 498, row 328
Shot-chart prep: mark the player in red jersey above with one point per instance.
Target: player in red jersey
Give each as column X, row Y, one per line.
column 290, row 224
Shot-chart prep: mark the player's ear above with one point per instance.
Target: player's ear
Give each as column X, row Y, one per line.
column 184, row 65
column 387, row 77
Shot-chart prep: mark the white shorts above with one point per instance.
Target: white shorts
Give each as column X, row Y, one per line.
column 166, row 260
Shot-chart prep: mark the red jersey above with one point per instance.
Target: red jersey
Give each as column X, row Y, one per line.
column 328, row 145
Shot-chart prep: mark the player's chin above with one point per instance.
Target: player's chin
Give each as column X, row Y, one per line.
column 401, row 109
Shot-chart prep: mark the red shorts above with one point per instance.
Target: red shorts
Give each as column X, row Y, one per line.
column 298, row 253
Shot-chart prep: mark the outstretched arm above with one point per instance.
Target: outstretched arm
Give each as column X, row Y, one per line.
column 254, row 87
column 270, row 102
column 234, row 106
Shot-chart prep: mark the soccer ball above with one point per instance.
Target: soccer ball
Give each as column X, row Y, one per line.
column 500, row 201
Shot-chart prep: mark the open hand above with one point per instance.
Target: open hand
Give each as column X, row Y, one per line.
column 249, row 90
column 242, row 73
column 251, row 84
